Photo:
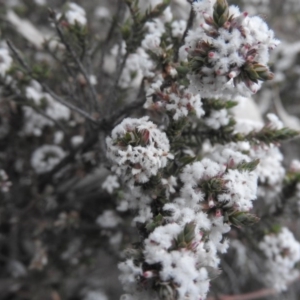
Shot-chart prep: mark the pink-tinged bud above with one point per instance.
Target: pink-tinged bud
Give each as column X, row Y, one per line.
column 250, row 58
column 205, row 26
column 208, row 19
column 145, row 136
column 218, row 213
column 231, row 163
column 227, row 25
column 186, row 49
column 245, row 14
column 211, row 54
column 232, row 74
column 211, row 203
column 148, row 274
column 156, row 106
column 253, row 88
column 194, row 245
column 219, row 72
column 64, row 23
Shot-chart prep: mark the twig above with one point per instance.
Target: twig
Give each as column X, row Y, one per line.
column 46, row 88
column 188, row 27
column 251, row 296
column 141, row 98
column 24, row 101
column 56, row 122
column 117, row 18
column 105, row 125
column 77, row 61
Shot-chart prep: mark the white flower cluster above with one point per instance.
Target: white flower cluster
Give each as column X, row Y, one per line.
column 178, row 28
column 110, row 183
column 46, row 157
column 138, row 149
column 228, row 53
column 139, row 64
column 5, row 61
column 95, row 295
column 134, row 198
column 217, row 119
column 108, row 219
column 214, row 185
column 186, row 248
column 176, row 100
column 75, row 14
column 5, row 184
column 181, row 266
column 270, row 171
column 283, row 253
column 35, row 122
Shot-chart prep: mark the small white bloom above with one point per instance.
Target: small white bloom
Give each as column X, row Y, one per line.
column 110, row 183
column 76, row 14
column 108, row 219
column 46, row 157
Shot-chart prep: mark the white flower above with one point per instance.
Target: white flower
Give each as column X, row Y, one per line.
column 76, row 14
column 217, row 119
column 40, row 2
column 110, row 183
column 138, row 149
column 35, row 122
column 46, row 157
column 5, row 61
column 221, row 56
column 295, row 166
column 108, row 219
column 283, row 253
column 5, row 184
column 274, row 122
column 138, row 65
column 170, row 183
column 177, row 100
column 178, row 28
column 102, row 12
column 76, row 140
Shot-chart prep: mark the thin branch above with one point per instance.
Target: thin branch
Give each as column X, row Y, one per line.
column 17, row 96
column 105, row 125
column 116, row 19
column 188, row 27
column 69, row 105
column 141, row 98
column 46, row 88
column 251, row 296
column 56, row 122
column 77, row 61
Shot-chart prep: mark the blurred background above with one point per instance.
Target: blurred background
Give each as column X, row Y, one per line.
column 64, row 240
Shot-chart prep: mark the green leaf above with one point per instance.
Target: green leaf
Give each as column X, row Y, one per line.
column 248, row 166
column 158, row 220
column 240, row 219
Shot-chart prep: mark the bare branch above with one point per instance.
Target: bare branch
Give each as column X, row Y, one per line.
column 77, row 61
column 251, row 296
column 46, row 88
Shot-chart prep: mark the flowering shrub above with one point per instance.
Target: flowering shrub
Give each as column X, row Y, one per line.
column 144, row 149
